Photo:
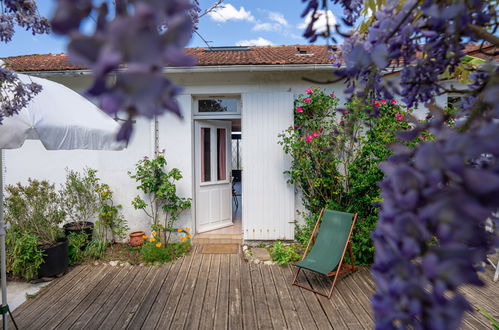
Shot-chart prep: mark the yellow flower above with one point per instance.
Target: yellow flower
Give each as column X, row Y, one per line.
column 179, row 230
column 153, row 233
column 158, row 244
column 184, row 239
column 144, row 236
column 189, row 236
column 187, row 229
column 152, row 239
column 163, row 226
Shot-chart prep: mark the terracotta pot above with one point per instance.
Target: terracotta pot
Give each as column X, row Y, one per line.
column 136, row 238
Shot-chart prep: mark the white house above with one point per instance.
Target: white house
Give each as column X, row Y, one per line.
column 236, row 99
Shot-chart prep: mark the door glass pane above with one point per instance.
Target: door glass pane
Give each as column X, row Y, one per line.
column 222, row 154
column 205, row 154
column 218, row 105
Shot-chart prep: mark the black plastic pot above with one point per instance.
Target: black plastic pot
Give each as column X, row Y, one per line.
column 72, row 227
column 55, row 261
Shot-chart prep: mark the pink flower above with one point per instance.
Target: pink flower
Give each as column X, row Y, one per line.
column 309, row 91
column 422, row 137
column 342, row 122
column 332, row 94
column 399, row 116
column 377, row 104
column 315, row 134
column 309, row 138
column 383, row 101
column 307, row 100
column 299, row 109
column 393, row 102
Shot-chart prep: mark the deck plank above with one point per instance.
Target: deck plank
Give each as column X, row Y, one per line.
column 57, row 288
column 187, row 295
column 146, row 304
column 311, row 300
column 222, row 307
column 331, row 308
column 275, row 308
column 198, row 297
column 306, row 319
column 235, row 309
column 210, row 297
column 261, row 304
column 101, row 301
column 248, row 301
column 122, row 303
column 288, row 308
column 156, row 309
column 107, row 310
column 59, row 306
column 80, row 307
column 176, row 292
column 136, row 300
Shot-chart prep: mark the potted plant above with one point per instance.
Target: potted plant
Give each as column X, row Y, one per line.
column 36, row 244
column 80, row 201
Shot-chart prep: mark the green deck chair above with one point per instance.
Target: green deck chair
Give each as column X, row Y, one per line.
column 331, row 243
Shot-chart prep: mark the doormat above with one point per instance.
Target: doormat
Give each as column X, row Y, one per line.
column 220, row 249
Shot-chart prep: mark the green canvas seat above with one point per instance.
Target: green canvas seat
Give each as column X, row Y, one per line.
column 331, row 243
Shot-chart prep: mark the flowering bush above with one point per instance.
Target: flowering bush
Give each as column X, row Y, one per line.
column 155, row 251
column 335, row 157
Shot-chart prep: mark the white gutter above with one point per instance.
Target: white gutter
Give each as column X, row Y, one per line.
column 207, row 69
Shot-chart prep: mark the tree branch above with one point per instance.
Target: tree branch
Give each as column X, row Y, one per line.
column 483, row 34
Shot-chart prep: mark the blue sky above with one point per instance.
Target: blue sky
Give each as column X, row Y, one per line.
column 240, row 22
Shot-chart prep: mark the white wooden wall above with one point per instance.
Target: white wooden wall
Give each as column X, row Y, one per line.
column 268, row 201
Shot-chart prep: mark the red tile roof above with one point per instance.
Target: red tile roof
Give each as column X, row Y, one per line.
column 267, row 55
column 219, row 56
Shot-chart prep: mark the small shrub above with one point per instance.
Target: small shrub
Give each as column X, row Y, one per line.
column 111, row 222
column 151, row 253
column 34, row 209
column 80, row 200
column 76, row 246
column 284, row 254
column 96, row 249
column 159, row 187
column 24, row 258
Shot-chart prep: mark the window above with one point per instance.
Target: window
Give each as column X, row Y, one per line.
column 205, row 154
column 218, row 105
column 222, row 155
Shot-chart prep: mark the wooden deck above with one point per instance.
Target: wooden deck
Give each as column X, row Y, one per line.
column 210, row 291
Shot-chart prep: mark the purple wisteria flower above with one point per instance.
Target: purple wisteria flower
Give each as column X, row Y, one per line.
column 437, row 196
column 132, row 44
column 14, row 94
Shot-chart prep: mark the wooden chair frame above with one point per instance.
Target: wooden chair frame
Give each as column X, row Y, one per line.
column 340, row 269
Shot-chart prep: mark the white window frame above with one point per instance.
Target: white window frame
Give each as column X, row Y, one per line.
column 214, row 115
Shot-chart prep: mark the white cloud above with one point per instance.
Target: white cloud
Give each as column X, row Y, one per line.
column 255, row 42
column 266, row 27
column 320, row 24
column 228, row 13
column 278, row 22
column 278, row 17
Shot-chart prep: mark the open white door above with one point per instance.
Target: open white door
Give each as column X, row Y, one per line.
column 213, row 174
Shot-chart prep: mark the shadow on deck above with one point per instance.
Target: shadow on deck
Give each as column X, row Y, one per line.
column 211, row 291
